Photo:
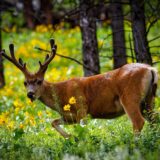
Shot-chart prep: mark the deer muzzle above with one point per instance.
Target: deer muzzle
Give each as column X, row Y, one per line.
column 31, row 95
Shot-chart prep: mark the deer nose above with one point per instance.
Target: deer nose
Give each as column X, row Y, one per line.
column 30, row 95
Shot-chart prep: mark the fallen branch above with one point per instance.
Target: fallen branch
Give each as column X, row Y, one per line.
column 70, row 58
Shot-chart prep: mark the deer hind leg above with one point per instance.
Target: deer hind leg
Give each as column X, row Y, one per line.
column 131, row 106
column 56, row 124
column 148, row 105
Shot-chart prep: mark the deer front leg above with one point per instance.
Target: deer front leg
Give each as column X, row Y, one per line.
column 56, row 123
column 131, row 106
column 68, row 118
column 82, row 110
column 81, row 115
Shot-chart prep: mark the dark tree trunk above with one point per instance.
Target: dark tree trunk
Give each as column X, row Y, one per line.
column 46, row 9
column 29, row 13
column 89, row 38
column 141, row 48
column 119, row 51
column 2, row 81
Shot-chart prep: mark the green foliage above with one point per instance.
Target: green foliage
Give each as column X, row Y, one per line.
column 10, row 19
column 25, row 129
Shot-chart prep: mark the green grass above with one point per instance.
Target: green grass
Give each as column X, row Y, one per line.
column 27, row 133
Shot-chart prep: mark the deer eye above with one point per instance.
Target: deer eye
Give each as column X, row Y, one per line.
column 39, row 82
column 25, row 83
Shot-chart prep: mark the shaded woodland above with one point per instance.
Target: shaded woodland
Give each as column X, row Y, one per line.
column 92, row 37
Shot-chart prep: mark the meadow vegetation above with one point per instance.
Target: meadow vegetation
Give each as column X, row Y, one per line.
column 25, row 127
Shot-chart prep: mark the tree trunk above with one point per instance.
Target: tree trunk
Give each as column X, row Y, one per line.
column 2, row 81
column 141, row 48
column 119, row 51
column 29, row 13
column 89, row 38
column 46, row 9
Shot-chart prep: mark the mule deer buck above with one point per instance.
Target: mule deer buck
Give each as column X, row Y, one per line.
column 129, row 89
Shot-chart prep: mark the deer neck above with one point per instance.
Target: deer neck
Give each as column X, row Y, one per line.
column 49, row 96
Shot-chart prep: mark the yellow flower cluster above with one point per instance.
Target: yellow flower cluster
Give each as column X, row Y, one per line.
column 27, row 48
column 17, row 104
column 8, row 92
column 29, row 119
column 10, row 124
column 44, row 28
column 39, row 114
column 4, row 118
column 71, row 101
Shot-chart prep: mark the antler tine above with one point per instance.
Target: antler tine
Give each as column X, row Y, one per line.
column 3, row 53
column 48, row 58
column 53, row 46
column 11, row 49
column 19, row 64
column 9, row 58
column 52, row 42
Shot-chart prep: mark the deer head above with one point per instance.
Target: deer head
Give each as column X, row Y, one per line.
column 33, row 81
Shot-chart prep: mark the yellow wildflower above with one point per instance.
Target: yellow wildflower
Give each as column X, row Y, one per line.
column 32, row 122
column 67, row 107
column 2, row 121
column 26, row 114
column 48, row 113
column 17, row 104
column 21, row 126
column 42, row 120
column 8, row 92
column 39, row 113
column 42, row 28
column 29, row 102
column 10, row 125
column 17, row 110
column 72, row 100
column 5, row 114
column 3, row 118
column 31, row 118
